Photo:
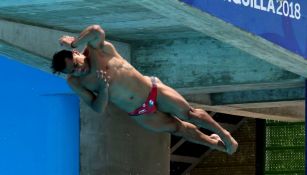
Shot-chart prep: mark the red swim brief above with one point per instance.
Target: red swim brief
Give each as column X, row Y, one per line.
column 150, row 105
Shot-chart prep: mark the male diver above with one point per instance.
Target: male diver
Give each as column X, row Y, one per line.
column 100, row 75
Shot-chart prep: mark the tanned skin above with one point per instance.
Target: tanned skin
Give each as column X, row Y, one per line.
column 100, row 75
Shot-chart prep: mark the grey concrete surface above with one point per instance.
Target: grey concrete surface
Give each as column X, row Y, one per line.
column 113, row 144
column 42, row 41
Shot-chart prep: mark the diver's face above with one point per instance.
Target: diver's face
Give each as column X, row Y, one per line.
column 77, row 66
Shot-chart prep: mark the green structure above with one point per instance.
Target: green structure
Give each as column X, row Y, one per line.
column 285, row 148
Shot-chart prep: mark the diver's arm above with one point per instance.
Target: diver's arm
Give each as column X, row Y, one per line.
column 101, row 100
column 97, row 102
column 93, row 35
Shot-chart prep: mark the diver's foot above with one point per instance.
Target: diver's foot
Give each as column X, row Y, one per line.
column 230, row 143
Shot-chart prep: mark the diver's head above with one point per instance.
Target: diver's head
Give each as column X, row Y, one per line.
column 70, row 62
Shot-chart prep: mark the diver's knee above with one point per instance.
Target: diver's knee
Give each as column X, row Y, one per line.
column 192, row 114
column 195, row 115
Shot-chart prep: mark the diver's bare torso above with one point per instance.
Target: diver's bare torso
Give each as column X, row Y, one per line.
column 127, row 87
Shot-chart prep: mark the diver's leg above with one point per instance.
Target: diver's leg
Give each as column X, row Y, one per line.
column 191, row 133
column 170, row 101
column 162, row 122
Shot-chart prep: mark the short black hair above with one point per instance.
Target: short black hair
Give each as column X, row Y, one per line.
column 58, row 61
